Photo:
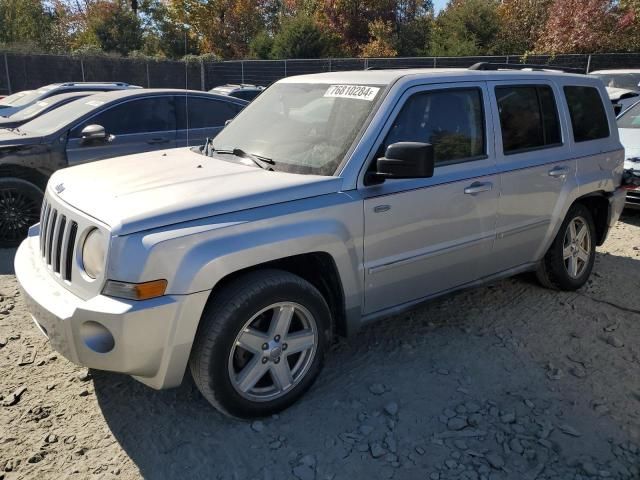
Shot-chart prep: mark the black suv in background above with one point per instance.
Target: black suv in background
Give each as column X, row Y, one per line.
column 97, row 127
column 243, row 91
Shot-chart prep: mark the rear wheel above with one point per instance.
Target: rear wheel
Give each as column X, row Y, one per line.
column 20, row 203
column 261, row 343
column 569, row 261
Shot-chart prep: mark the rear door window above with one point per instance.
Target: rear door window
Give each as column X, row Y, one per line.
column 588, row 116
column 451, row 120
column 528, row 118
column 205, row 112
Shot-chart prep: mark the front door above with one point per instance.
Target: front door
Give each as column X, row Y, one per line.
column 426, row 236
column 137, row 125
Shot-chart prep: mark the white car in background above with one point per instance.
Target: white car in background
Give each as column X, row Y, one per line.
column 629, row 130
column 623, row 87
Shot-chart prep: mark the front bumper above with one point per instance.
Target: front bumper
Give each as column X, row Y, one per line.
column 145, row 339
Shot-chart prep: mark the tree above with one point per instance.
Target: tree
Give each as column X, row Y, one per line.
column 579, row 26
column 300, row 37
column 381, row 43
column 24, row 21
column 466, row 27
column 261, row 46
column 521, row 23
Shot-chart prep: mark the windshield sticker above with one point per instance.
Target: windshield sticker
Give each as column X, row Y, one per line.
column 94, row 103
column 360, row 92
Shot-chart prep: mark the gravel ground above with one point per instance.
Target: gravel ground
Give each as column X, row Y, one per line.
column 509, row 381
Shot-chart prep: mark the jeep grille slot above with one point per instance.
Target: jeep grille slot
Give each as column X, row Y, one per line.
column 50, row 231
column 58, row 251
column 46, row 209
column 69, row 246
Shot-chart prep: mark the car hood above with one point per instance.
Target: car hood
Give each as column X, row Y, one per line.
column 16, row 137
column 154, row 189
column 619, row 93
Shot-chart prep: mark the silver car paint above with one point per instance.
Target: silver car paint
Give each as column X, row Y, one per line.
column 194, row 220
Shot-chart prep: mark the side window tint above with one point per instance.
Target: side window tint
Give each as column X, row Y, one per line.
column 528, row 118
column 451, row 120
column 207, row 113
column 588, row 117
column 136, row 116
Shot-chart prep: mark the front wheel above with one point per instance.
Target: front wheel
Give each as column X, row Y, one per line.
column 569, row 261
column 20, row 203
column 261, row 343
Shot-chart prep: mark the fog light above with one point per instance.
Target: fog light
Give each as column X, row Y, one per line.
column 97, row 337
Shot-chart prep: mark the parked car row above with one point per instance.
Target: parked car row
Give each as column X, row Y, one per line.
column 67, row 124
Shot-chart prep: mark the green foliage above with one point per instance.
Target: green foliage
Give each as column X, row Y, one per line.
column 261, row 46
column 466, row 27
column 24, row 21
column 300, row 37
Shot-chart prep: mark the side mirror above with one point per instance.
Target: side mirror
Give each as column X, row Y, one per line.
column 617, row 108
column 95, row 134
column 405, row 160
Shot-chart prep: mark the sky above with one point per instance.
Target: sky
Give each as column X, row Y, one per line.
column 439, row 4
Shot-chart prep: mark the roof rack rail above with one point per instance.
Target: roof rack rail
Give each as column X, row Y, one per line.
column 521, row 66
column 70, row 84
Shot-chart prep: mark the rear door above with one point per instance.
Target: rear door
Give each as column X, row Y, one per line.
column 429, row 235
column 537, row 172
column 202, row 117
column 137, row 125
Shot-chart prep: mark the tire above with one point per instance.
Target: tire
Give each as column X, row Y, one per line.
column 20, row 203
column 229, row 362
column 568, row 264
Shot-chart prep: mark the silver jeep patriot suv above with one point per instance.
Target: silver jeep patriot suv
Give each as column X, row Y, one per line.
column 331, row 201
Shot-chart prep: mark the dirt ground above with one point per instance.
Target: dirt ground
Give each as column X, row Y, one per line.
column 509, row 381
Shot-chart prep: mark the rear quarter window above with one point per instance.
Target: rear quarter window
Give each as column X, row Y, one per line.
column 588, row 116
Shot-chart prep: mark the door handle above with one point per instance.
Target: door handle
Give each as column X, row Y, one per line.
column 158, row 141
column 478, row 187
column 558, row 172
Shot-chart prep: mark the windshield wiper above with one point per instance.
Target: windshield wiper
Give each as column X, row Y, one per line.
column 263, row 162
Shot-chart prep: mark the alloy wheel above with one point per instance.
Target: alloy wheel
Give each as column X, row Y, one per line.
column 18, row 211
column 273, row 351
column 576, row 251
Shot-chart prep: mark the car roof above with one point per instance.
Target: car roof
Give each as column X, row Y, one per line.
column 386, row 77
column 627, row 70
column 105, row 97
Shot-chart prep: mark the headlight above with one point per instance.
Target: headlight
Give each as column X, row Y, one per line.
column 93, row 254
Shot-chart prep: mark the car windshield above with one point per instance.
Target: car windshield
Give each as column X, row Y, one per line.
column 630, row 118
column 304, row 128
column 59, row 117
column 628, row 81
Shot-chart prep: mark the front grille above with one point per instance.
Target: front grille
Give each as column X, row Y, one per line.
column 633, row 197
column 57, row 240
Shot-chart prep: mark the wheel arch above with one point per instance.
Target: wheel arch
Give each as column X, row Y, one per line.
column 598, row 204
column 318, row 268
column 24, row 173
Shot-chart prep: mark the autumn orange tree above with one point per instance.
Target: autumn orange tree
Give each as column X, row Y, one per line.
column 580, row 26
column 520, row 24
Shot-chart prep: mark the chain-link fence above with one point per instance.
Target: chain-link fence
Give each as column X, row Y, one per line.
column 24, row 72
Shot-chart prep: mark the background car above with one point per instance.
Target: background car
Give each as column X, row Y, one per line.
column 629, row 130
column 243, row 91
column 21, row 100
column 623, row 86
column 100, row 126
column 40, row 108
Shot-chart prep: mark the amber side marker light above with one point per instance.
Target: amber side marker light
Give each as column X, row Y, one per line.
column 135, row 291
